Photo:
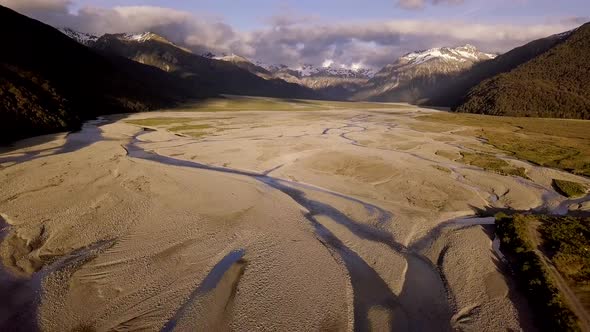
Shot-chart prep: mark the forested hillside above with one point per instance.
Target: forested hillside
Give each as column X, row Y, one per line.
column 48, row 82
column 554, row 84
column 452, row 92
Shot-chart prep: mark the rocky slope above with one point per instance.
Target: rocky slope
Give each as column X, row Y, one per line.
column 553, row 84
column 414, row 76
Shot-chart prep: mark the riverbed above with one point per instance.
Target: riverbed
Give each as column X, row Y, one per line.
column 329, row 220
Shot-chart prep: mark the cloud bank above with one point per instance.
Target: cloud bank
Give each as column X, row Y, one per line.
column 291, row 40
column 420, row 4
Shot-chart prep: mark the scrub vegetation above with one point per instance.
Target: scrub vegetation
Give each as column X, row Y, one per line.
column 569, row 188
column 552, row 312
column 556, row 143
column 492, row 164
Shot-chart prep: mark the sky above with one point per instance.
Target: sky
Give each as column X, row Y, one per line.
column 349, row 33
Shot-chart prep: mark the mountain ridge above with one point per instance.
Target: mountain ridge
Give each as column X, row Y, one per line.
column 50, row 82
column 208, row 74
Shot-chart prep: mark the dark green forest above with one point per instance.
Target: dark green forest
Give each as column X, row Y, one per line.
column 554, row 84
column 452, row 91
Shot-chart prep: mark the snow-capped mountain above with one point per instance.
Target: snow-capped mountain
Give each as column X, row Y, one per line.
column 413, row 75
column 81, row 37
column 208, row 75
column 309, row 70
column 139, row 37
column 410, row 78
column 89, row 39
column 332, row 81
column 467, row 53
column 143, row 37
column 433, row 61
column 243, row 63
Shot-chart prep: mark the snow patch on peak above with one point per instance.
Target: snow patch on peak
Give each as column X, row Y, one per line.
column 328, row 68
column 231, row 58
column 139, row 37
column 565, row 34
column 80, row 37
column 327, row 63
column 331, row 69
column 467, row 48
column 459, row 54
column 145, row 37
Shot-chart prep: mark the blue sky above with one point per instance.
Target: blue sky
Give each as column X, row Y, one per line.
column 346, row 32
column 252, row 14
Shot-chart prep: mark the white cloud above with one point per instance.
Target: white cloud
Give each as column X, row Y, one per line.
column 37, row 5
column 420, row 4
column 379, row 43
column 327, row 63
column 294, row 40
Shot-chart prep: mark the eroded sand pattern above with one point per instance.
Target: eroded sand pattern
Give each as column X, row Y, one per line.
column 331, row 220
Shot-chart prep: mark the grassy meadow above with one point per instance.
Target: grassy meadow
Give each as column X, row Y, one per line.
column 238, row 103
column 557, row 143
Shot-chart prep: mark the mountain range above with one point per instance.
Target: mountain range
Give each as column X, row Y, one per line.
column 53, row 80
column 211, row 75
column 412, row 78
column 445, row 76
column 329, row 82
column 547, row 77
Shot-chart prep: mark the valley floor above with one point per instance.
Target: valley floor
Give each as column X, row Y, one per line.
column 358, row 218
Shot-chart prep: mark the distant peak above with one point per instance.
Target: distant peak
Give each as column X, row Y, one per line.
column 463, row 53
column 81, row 37
column 231, row 58
column 466, row 48
column 333, row 70
column 141, row 37
column 144, row 37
